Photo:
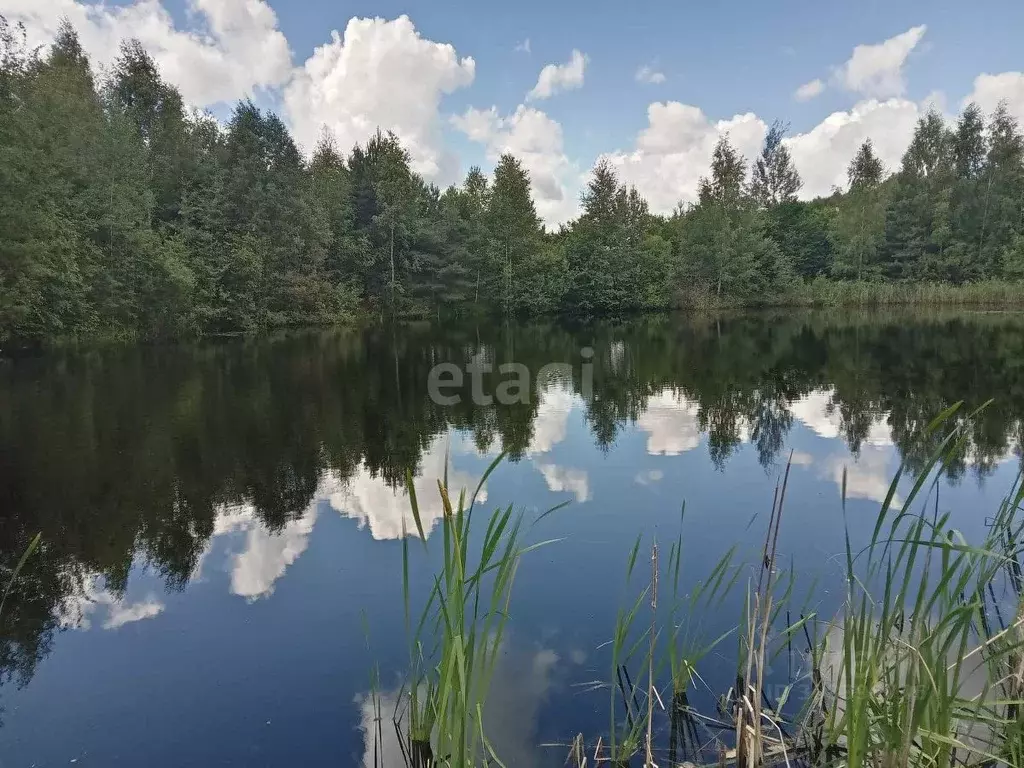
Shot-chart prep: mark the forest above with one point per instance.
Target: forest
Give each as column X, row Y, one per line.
column 125, row 213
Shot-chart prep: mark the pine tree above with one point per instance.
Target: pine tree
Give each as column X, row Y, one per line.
column 395, row 195
column 612, row 263
column 42, row 280
column 475, row 201
column 596, row 249
column 52, row 126
column 464, row 241
column 202, row 223
column 278, row 237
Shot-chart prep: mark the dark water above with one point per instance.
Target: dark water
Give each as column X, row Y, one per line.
column 221, row 566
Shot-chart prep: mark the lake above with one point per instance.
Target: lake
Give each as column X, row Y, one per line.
column 222, row 522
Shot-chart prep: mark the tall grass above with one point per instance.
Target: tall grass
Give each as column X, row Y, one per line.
column 923, row 675
column 626, row 736
column 922, row 666
column 826, row 292
column 459, row 631
column 837, row 293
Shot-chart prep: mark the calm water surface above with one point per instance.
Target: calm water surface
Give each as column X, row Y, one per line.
column 222, row 522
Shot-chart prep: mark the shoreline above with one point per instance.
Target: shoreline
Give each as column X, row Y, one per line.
column 820, row 294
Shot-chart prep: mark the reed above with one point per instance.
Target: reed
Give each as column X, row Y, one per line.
column 459, row 630
column 835, row 293
column 923, row 665
column 626, row 735
column 826, row 292
column 920, row 672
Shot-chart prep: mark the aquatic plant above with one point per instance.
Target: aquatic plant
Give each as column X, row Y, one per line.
column 919, row 669
column 455, row 642
column 923, row 665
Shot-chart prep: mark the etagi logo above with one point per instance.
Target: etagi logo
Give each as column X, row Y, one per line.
column 446, row 381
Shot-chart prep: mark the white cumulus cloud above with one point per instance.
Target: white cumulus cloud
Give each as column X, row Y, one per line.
column 265, row 555
column 555, row 78
column 523, row 678
column 648, row 477
column 647, row 74
column 536, row 139
column 121, row 614
column 671, row 424
column 551, row 424
column 240, row 49
column 818, row 412
column 877, row 70
column 809, row 90
column 76, row 611
column 382, row 74
column 822, row 154
column 674, row 151
column 989, row 90
column 671, row 154
column 566, row 479
column 868, row 476
column 385, row 511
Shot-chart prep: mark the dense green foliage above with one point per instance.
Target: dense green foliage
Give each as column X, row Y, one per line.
column 122, row 212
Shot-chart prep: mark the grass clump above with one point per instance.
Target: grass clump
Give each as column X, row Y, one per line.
column 920, row 669
column 823, row 292
column 922, row 666
column 459, row 630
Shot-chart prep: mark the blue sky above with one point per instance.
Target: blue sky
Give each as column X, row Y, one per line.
column 722, row 67
column 724, row 57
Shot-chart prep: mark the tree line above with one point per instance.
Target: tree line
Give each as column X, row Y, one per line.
column 123, row 212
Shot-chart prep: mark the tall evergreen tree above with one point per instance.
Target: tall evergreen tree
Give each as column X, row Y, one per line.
column 966, row 195
column 614, row 263
column 43, row 275
column 595, row 250
column 203, row 224
column 465, row 241
column 346, row 259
